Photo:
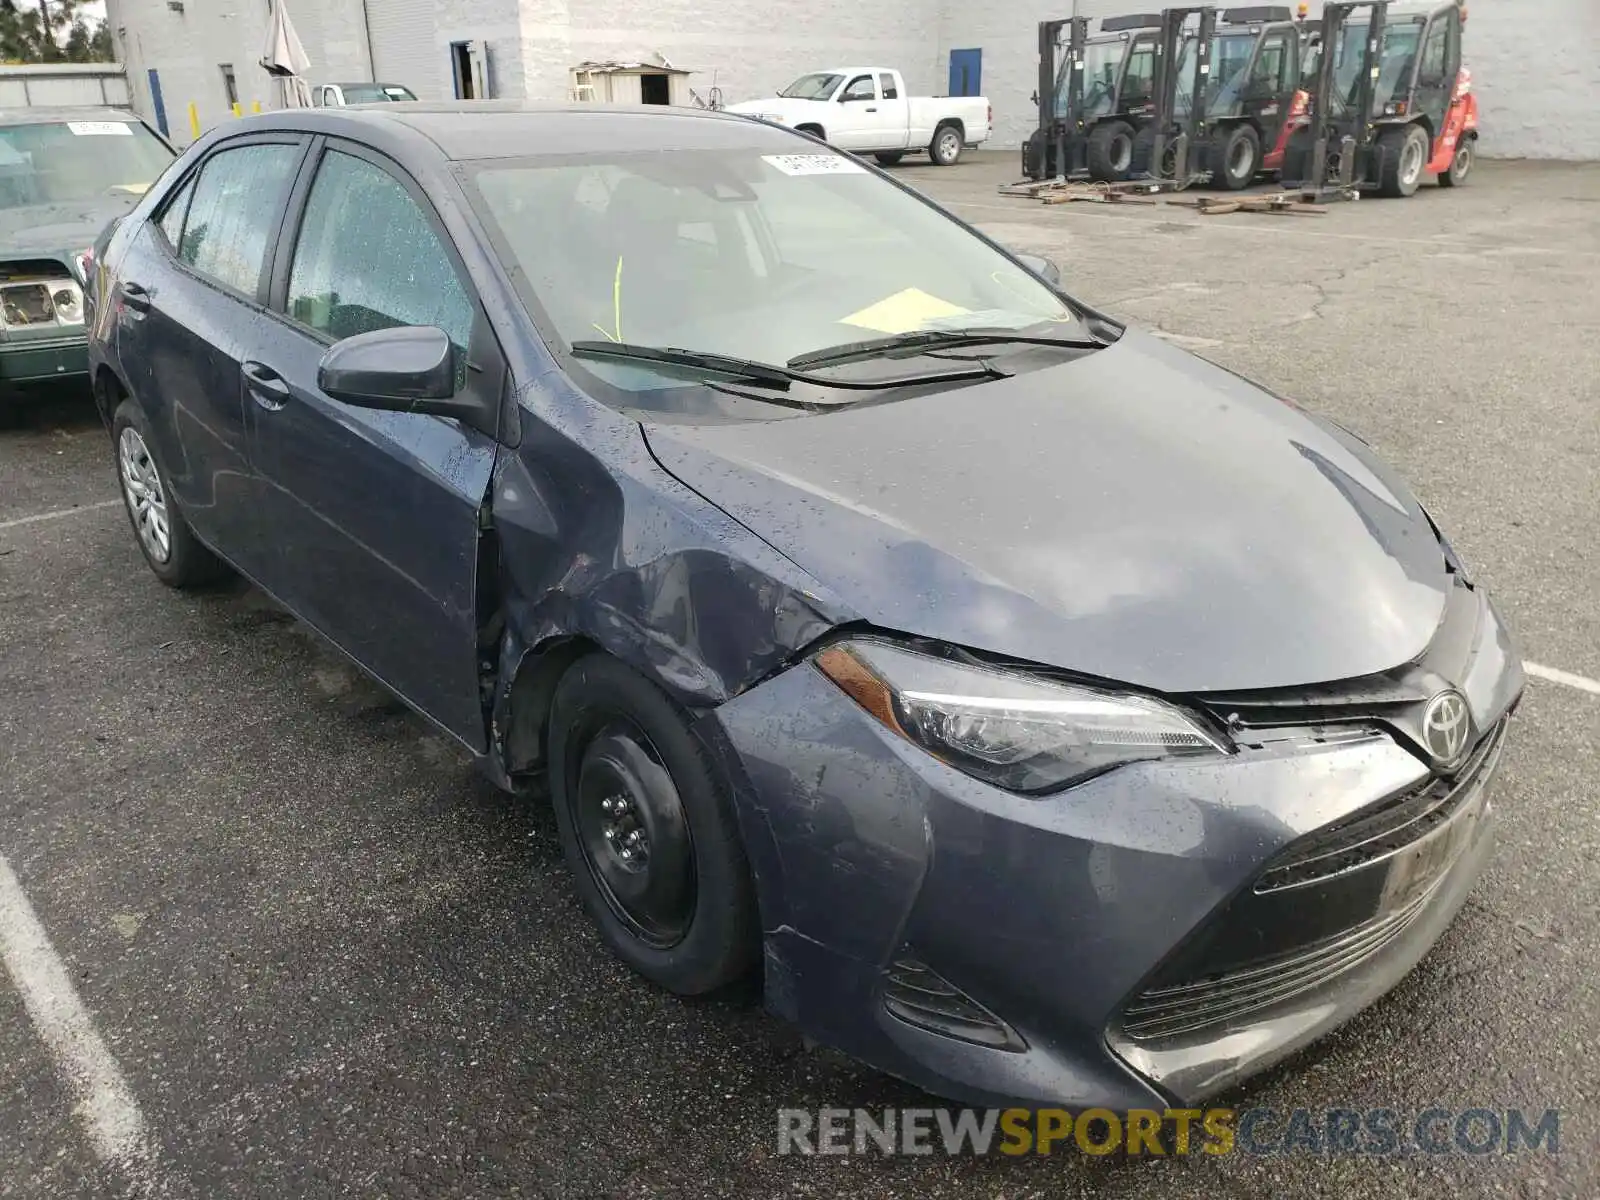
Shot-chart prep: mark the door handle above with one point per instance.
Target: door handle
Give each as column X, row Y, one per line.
column 267, row 388
column 135, row 297
column 873, row 109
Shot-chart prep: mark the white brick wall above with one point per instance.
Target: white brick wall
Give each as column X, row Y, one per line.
column 1536, row 63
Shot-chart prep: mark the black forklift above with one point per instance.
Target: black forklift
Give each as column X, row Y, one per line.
column 1254, row 98
column 1391, row 102
column 1093, row 94
column 1169, row 146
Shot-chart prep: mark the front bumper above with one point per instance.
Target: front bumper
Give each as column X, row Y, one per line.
column 1107, row 946
column 44, row 358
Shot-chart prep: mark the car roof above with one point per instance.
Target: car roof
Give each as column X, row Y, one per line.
column 56, row 116
column 485, row 129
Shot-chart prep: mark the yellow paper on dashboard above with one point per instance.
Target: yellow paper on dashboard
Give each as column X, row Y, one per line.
column 902, row 312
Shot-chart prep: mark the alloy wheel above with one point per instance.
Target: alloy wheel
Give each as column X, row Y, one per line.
column 144, row 495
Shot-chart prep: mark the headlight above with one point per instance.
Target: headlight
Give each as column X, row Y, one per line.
column 68, row 301
column 1014, row 731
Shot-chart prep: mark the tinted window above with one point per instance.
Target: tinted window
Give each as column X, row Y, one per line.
column 1267, row 78
column 368, row 258
column 233, row 213
column 1435, row 52
column 860, row 89
column 1138, row 84
column 890, row 92
column 171, row 221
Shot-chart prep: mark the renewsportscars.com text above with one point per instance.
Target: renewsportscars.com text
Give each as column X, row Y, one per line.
column 1173, row 1131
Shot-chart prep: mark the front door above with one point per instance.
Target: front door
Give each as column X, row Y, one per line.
column 1437, row 66
column 966, row 72
column 1269, row 90
column 376, row 514
column 191, row 297
column 855, row 123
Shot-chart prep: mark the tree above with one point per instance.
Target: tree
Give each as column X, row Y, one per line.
column 34, row 31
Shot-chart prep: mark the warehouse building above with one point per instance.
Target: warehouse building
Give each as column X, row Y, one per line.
column 1535, row 63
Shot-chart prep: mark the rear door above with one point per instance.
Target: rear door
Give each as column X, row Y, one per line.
column 191, row 298
column 1437, row 66
column 375, row 514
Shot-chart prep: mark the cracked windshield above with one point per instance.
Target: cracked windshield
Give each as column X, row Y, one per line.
column 763, row 256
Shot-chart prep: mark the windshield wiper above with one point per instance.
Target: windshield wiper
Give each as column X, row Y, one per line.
column 937, row 339
column 766, row 374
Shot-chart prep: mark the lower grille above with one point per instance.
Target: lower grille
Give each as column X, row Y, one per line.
column 1384, row 831
column 1168, row 1011
column 920, row 996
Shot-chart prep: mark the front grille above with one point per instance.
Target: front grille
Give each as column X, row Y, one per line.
column 1384, row 831
column 920, row 996
column 1168, row 1011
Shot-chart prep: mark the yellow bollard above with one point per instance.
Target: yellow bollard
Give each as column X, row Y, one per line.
column 255, row 106
column 194, row 121
column 237, row 110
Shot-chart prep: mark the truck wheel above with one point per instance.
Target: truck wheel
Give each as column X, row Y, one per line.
column 1296, row 158
column 1235, row 157
column 1111, row 152
column 1456, row 173
column 945, row 148
column 1402, row 154
column 888, row 158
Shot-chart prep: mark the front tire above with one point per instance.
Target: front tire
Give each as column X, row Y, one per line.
column 1461, row 165
column 945, row 149
column 649, row 831
column 1111, row 152
column 1296, row 158
column 169, row 546
column 1235, row 157
column 1402, row 155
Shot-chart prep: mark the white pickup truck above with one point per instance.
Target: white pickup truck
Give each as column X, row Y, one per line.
column 866, row 110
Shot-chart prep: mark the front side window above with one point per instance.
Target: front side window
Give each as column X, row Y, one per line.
column 761, row 255
column 233, row 214
column 1436, row 52
column 1138, row 81
column 860, row 88
column 368, row 258
column 171, row 219
column 70, row 162
column 1267, row 77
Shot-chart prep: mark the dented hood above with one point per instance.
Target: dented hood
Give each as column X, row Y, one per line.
column 1137, row 514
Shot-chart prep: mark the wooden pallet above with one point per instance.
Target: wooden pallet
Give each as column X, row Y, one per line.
column 1285, row 203
column 1058, row 191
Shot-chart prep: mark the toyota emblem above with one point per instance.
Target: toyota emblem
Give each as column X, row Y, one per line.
column 1445, row 726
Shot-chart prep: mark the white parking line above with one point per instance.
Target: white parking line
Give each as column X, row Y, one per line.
column 1555, row 675
column 104, row 1103
column 57, row 514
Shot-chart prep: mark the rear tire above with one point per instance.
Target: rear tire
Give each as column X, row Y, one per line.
column 888, row 158
column 676, row 902
column 1144, row 144
column 1402, row 154
column 1111, row 152
column 1461, row 165
column 169, row 546
column 945, row 149
column 1234, row 157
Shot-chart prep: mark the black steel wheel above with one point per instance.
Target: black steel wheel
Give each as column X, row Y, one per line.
column 649, row 830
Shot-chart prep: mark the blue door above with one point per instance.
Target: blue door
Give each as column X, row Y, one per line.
column 966, row 72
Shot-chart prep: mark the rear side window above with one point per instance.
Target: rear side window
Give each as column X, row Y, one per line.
column 368, row 258
column 233, row 213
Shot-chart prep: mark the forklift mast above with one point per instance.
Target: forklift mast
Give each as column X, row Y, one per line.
column 1060, row 93
column 1350, row 130
column 1179, row 130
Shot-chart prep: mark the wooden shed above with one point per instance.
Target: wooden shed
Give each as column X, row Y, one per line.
column 630, row 83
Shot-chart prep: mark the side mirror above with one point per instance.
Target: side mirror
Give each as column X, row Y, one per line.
column 1044, row 268
column 402, row 368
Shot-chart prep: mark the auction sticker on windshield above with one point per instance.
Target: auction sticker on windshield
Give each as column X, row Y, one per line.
column 100, row 128
column 814, row 164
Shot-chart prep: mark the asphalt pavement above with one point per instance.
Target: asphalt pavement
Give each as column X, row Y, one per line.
column 327, row 960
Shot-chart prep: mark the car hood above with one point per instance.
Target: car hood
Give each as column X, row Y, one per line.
column 1137, row 514
column 61, row 228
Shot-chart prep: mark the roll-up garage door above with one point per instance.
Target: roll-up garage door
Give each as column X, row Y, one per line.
column 405, row 49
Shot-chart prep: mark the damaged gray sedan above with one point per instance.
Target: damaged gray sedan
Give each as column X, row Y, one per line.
column 1048, row 715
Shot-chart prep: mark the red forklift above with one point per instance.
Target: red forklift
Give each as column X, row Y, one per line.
column 1392, row 102
column 1093, row 93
